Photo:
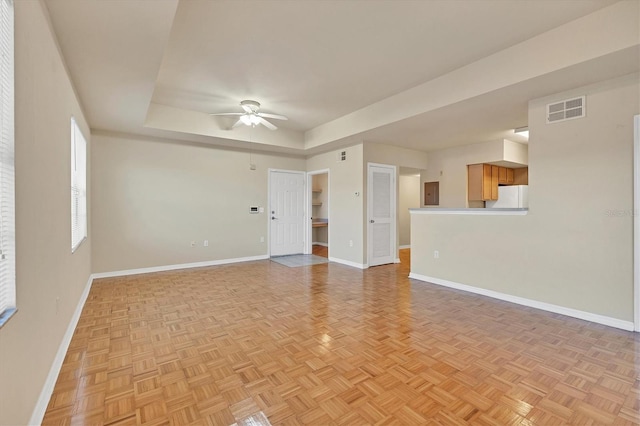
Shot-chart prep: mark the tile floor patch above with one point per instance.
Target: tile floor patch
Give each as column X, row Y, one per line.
column 297, row 260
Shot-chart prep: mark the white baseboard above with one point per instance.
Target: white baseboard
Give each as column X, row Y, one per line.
column 404, row 247
column 397, row 260
column 320, row 244
column 177, row 266
column 570, row 312
column 349, row 263
column 47, row 390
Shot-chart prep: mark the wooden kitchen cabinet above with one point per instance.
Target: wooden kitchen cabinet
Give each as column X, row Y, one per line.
column 502, row 175
column 495, row 180
column 521, row 176
column 484, row 179
column 482, row 182
column 505, row 176
column 510, row 176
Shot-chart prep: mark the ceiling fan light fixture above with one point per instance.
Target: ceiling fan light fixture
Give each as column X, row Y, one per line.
column 251, row 116
column 246, row 119
column 255, row 120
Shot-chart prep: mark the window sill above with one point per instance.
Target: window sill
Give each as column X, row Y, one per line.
column 7, row 315
column 77, row 246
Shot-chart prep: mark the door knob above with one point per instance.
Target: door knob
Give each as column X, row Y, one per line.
column 372, row 221
column 273, row 218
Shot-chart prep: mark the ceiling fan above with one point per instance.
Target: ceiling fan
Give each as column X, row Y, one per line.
column 251, row 116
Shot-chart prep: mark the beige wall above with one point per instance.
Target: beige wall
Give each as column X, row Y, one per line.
column 345, row 207
column 449, row 167
column 408, row 198
column 321, row 182
column 152, row 198
column 516, row 152
column 46, row 269
column 574, row 248
column 394, row 156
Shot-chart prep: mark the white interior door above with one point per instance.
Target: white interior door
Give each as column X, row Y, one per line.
column 381, row 207
column 286, row 208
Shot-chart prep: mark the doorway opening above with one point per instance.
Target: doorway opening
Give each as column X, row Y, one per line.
column 318, row 205
column 408, row 198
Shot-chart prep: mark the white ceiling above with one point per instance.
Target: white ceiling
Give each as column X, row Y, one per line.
column 157, row 68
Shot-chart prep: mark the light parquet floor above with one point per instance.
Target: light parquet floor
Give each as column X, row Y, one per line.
column 261, row 343
column 320, row 250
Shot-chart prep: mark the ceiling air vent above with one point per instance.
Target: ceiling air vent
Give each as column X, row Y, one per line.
column 566, row 110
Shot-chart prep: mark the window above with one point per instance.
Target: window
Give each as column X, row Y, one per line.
column 7, row 186
column 78, row 186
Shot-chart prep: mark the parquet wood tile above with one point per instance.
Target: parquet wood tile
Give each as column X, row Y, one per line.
column 260, row 343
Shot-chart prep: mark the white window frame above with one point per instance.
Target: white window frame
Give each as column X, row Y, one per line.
column 78, row 186
column 7, row 165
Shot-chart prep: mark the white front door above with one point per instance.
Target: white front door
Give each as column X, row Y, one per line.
column 286, row 212
column 381, row 207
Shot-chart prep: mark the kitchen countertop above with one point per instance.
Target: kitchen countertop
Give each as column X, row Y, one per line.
column 470, row 211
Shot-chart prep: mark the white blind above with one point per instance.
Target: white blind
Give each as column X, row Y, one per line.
column 7, row 180
column 78, row 186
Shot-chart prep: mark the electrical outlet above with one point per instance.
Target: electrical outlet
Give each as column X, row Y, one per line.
column 193, row 243
column 206, row 243
column 350, row 243
column 436, row 254
column 262, row 239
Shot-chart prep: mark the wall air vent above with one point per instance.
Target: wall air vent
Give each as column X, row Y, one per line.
column 342, row 156
column 566, row 110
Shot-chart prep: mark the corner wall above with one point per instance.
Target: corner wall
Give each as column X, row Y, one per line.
column 345, row 207
column 574, row 248
column 151, row 198
column 449, row 167
column 393, row 156
column 46, row 270
column 408, row 198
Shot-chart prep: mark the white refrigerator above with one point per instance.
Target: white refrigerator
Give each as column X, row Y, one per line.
column 514, row 196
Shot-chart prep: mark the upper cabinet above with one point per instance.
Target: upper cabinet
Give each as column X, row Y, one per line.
column 505, row 176
column 483, row 182
column 484, row 179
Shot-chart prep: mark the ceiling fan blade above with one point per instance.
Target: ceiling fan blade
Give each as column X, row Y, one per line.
column 247, row 108
column 228, row 113
column 237, row 123
column 274, row 116
column 267, row 124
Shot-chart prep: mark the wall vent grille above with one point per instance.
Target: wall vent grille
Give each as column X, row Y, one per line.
column 568, row 109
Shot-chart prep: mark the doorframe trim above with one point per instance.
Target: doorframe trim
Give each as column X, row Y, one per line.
column 308, row 232
column 269, row 171
column 394, row 209
column 636, row 222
